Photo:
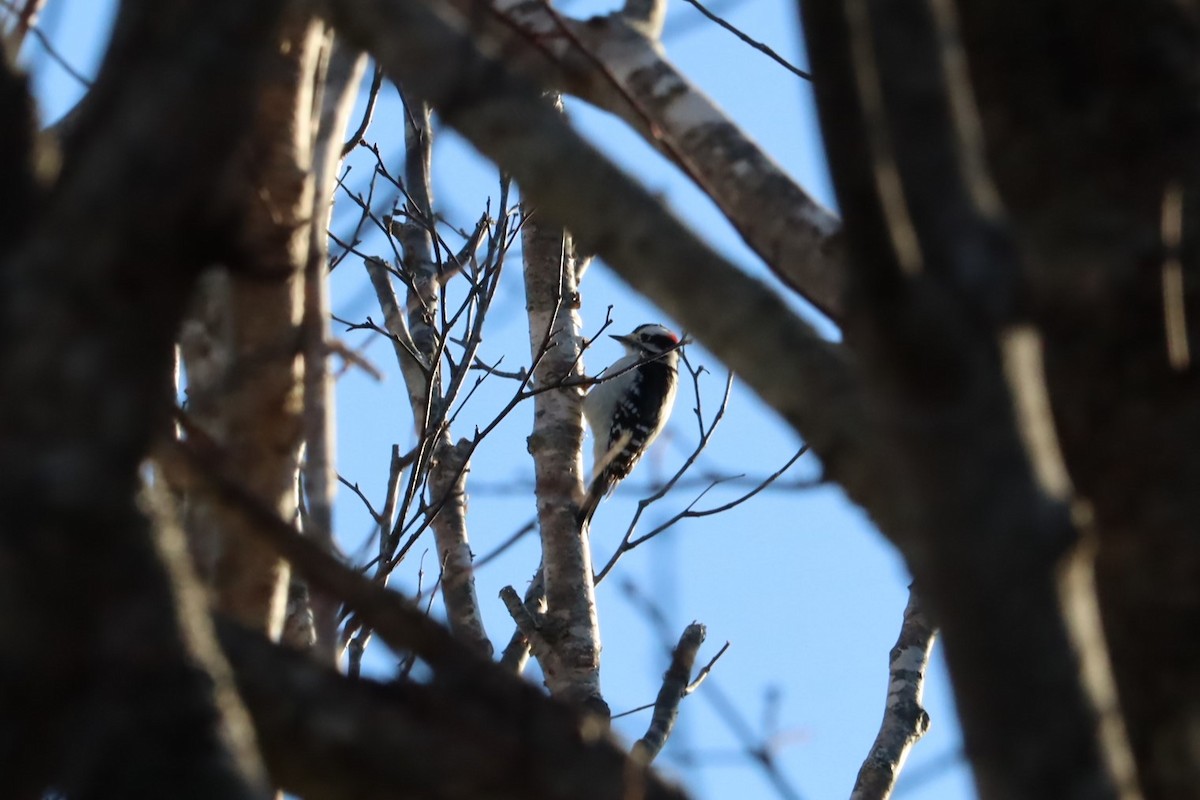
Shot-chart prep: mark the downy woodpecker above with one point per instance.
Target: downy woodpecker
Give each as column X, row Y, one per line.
column 627, row 412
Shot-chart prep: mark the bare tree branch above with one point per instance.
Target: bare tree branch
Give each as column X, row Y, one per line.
column 472, row 688
column 475, row 698
column 447, row 485
column 323, row 733
column 336, row 78
column 647, row 16
column 368, row 113
column 530, row 622
column 937, row 268
column 612, row 64
column 516, row 652
column 759, row 749
column 675, row 686
column 24, row 14
column 904, row 720
column 1085, row 202
column 100, row 657
column 572, row 664
column 247, row 323
column 448, row 465
column 739, row 319
column 757, row 45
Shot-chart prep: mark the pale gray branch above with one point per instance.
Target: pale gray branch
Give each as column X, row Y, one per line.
column 572, row 665
column 336, row 80
column 418, row 348
column 904, row 720
column 516, row 653
column 447, row 485
column 647, row 16
column 610, row 63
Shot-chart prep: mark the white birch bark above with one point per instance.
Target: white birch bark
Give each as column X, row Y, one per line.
column 336, row 87
column 612, row 63
column 570, row 625
column 904, row 720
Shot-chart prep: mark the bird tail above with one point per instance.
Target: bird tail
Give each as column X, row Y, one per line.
column 591, row 500
column 604, row 479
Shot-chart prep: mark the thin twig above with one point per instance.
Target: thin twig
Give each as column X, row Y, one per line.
column 705, row 670
column 512, row 539
column 690, row 513
column 354, row 488
column 26, row 14
column 633, row 711
column 368, row 113
column 701, row 444
column 506, row 488
column 757, row 45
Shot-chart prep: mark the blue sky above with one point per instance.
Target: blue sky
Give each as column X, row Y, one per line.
column 800, row 583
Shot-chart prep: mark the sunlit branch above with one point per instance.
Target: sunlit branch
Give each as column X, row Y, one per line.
column 336, row 79
column 612, row 63
column 570, row 630
column 904, row 720
column 648, row 16
column 705, row 670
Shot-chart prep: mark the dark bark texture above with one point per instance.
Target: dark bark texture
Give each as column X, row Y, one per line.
column 96, row 665
column 1003, row 175
column 1091, row 124
column 1015, row 402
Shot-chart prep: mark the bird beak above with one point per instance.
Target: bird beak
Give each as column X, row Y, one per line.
column 629, row 340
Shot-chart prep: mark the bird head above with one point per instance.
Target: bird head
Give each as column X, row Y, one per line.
column 650, row 340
